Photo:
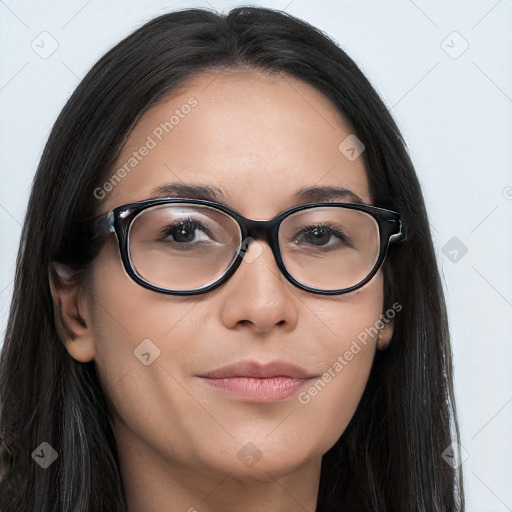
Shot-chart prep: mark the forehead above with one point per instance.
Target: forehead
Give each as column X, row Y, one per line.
column 255, row 138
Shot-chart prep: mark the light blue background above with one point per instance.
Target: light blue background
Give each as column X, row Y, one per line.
column 455, row 114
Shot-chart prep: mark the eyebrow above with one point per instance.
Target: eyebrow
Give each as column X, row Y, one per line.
column 326, row 193
column 218, row 194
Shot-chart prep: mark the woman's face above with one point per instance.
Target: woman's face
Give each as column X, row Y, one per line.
column 259, row 140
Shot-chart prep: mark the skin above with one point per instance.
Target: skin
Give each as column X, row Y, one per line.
column 262, row 138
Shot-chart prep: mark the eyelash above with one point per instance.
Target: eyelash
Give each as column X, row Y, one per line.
column 187, row 223
column 329, row 229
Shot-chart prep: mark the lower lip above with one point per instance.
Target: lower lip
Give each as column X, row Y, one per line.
column 260, row 390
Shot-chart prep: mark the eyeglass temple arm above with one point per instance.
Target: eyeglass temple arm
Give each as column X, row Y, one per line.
column 401, row 236
column 88, row 237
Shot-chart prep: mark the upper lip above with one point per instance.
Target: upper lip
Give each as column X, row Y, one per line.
column 259, row 371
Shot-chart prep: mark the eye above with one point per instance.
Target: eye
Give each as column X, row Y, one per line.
column 185, row 231
column 318, row 235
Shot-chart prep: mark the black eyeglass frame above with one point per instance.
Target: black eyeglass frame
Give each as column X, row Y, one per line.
column 118, row 222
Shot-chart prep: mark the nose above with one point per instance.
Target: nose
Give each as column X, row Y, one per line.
column 257, row 295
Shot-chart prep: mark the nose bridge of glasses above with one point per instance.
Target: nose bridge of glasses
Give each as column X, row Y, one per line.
column 261, row 230
column 264, row 230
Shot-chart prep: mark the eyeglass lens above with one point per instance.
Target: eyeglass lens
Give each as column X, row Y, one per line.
column 181, row 246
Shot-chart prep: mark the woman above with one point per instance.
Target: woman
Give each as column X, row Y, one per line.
column 227, row 296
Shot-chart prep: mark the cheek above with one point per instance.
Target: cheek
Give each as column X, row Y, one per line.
column 138, row 359
column 347, row 351
column 335, row 394
column 132, row 328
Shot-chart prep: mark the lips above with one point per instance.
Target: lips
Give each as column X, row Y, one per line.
column 254, row 382
column 251, row 369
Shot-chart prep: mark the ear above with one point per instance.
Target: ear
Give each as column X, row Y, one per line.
column 385, row 332
column 72, row 313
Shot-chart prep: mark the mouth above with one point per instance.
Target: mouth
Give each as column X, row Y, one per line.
column 256, row 382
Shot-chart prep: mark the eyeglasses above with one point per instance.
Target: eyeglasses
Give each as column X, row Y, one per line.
column 188, row 246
